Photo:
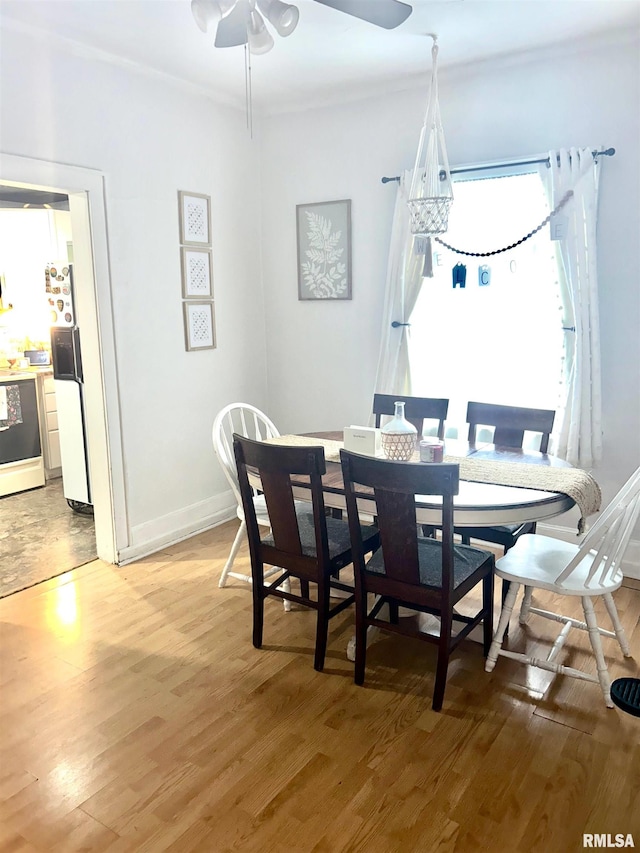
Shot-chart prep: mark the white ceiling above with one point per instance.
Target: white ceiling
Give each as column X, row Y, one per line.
column 329, row 54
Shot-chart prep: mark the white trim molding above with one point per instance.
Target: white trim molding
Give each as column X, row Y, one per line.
column 85, row 188
column 153, row 536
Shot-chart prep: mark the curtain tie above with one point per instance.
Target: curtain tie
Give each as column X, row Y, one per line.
column 396, row 324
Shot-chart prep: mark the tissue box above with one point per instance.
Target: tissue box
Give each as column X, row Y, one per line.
column 363, row 440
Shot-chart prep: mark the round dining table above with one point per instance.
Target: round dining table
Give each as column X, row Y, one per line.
column 476, row 504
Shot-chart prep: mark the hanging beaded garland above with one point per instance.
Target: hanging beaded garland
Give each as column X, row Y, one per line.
column 565, row 198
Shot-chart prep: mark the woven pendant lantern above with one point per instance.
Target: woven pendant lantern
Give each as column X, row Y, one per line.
column 431, row 191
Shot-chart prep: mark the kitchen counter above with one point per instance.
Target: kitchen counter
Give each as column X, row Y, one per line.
column 8, row 374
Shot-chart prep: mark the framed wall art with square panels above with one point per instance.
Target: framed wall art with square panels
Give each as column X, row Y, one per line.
column 324, row 249
column 195, row 219
column 199, row 327
column 197, row 273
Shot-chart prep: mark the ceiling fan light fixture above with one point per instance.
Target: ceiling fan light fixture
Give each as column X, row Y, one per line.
column 260, row 39
column 283, row 16
column 207, row 12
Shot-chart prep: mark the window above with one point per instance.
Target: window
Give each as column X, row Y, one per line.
column 498, row 339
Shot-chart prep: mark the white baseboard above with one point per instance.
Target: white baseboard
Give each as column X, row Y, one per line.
column 631, row 564
column 170, row 529
column 174, row 527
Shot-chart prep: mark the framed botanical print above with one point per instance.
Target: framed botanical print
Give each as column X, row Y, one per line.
column 324, row 249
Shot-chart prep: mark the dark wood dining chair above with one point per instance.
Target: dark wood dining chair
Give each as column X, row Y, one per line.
column 303, row 542
column 510, row 424
column 417, row 410
column 408, row 570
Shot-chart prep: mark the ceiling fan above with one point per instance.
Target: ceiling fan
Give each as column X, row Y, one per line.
column 240, row 22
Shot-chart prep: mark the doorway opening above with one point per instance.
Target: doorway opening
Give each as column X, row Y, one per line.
column 84, row 189
column 42, row 534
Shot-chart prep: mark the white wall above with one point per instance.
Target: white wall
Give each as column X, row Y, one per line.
column 150, row 138
column 322, row 357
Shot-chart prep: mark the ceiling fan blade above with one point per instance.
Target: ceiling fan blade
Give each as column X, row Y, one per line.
column 232, row 30
column 383, row 13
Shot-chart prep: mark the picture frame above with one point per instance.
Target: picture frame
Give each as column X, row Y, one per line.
column 199, row 326
column 197, row 273
column 323, row 232
column 195, row 218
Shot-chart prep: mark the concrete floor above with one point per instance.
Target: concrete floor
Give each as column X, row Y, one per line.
column 41, row 537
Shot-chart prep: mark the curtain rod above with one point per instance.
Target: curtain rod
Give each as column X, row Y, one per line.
column 609, row 152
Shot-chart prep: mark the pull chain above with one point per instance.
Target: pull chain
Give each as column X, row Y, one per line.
column 247, row 90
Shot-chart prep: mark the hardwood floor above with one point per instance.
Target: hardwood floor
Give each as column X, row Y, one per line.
column 136, row 716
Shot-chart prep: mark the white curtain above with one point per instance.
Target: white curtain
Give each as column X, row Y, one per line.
column 579, row 421
column 404, row 280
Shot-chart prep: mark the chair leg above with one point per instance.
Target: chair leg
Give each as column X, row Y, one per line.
column 322, row 624
column 361, row 635
column 232, row 554
column 617, row 624
column 394, row 612
column 504, row 593
column 596, row 645
column 443, row 660
column 286, row 586
column 257, row 590
column 505, row 615
column 487, row 604
column 525, row 607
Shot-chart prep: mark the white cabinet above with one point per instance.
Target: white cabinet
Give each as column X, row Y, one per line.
column 49, row 435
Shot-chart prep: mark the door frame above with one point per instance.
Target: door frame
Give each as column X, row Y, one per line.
column 86, row 191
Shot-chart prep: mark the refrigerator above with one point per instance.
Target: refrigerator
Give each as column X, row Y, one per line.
column 68, row 378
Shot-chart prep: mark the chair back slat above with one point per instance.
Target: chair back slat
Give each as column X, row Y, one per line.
column 605, row 552
column 416, row 410
column 510, row 423
column 609, row 537
column 627, row 523
column 246, row 420
column 276, row 487
column 395, row 486
column 243, row 422
column 396, row 518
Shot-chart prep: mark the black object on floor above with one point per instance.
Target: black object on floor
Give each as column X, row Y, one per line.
column 625, row 693
column 80, row 507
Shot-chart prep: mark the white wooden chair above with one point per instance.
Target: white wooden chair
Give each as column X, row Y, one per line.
column 589, row 570
column 249, row 422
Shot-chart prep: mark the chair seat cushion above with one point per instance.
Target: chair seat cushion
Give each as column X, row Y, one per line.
column 466, row 560
column 337, row 533
column 536, row 560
